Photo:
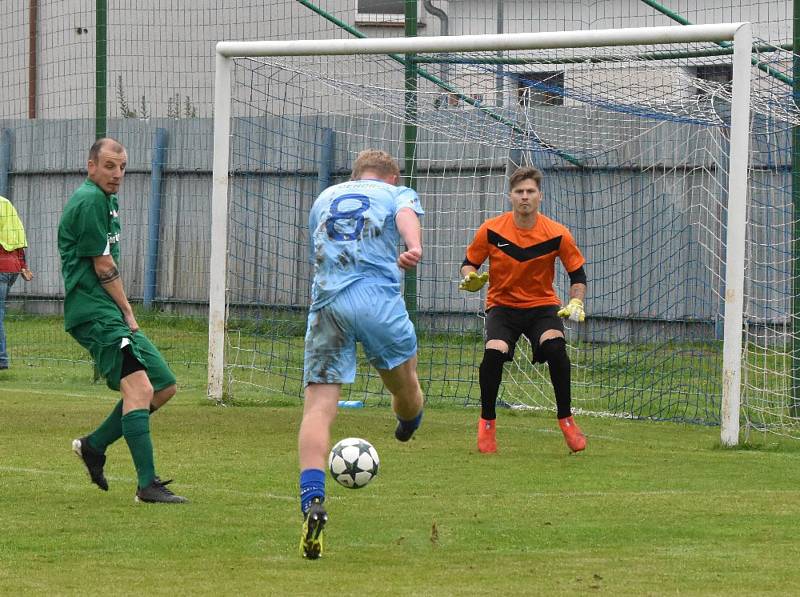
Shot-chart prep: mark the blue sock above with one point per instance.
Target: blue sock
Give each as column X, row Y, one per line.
column 412, row 424
column 312, row 485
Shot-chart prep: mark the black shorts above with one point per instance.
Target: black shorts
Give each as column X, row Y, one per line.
column 508, row 323
column 129, row 363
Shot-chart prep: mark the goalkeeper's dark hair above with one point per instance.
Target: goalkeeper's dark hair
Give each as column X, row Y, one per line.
column 525, row 173
column 374, row 160
column 114, row 146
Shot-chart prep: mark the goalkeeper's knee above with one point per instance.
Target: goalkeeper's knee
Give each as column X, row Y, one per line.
column 491, row 366
column 554, row 352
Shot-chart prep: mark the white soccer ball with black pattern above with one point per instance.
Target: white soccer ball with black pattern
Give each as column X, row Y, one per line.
column 353, row 462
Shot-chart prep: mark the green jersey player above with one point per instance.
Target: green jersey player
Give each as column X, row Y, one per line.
column 98, row 315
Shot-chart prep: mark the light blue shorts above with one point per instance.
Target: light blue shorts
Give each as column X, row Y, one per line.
column 368, row 312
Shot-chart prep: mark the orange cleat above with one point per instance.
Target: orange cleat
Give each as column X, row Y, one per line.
column 487, row 441
column 572, row 434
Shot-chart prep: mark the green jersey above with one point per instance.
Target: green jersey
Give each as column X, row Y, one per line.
column 89, row 227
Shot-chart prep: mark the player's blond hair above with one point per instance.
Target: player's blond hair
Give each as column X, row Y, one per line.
column 525, row 173
column 374, row 160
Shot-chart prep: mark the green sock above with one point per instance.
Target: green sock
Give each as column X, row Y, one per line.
column 109, row 431
column 136, row 429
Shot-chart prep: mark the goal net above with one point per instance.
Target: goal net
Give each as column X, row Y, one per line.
column 690, row 245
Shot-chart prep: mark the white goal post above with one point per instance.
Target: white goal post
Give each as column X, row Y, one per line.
column 737, row 182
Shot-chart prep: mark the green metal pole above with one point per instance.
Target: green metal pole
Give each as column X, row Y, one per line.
column 410, row 143
column 100, row 78
column 795, row 400
column 724, row 44
column 101, row 66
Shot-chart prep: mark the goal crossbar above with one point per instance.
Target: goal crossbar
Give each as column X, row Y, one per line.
column 477, row 43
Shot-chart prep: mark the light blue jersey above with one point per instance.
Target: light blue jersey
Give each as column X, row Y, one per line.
column 354, row 235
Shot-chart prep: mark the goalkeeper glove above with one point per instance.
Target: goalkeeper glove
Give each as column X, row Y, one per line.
column 573, row 310
column 473, row 282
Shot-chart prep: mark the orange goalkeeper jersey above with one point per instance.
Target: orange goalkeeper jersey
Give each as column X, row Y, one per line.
column 522, row 261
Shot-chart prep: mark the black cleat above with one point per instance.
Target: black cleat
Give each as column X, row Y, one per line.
column 403, row 434
column 157, row 493
column 405, row 429
column 311, row 535
column 93, row 460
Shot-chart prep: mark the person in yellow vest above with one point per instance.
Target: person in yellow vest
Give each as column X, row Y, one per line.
column 12, row 264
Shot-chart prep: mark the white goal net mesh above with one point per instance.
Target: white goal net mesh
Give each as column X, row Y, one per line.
column 634, row 146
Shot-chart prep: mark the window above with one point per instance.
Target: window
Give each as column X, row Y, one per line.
column 540, row 89
column 721, row 74
column 381, row 10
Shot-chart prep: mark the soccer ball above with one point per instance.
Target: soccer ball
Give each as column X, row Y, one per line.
column 353, row 462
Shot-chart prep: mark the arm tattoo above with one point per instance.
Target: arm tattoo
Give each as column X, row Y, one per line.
column 109, row 276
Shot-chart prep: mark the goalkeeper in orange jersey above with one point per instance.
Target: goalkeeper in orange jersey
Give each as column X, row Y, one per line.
column 522, row 246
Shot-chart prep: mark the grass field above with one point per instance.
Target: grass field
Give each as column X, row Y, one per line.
column 680, row 382
column 648, row 509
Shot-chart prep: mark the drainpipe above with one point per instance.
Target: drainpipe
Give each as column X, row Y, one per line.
column 444, row 29
column 439, row 14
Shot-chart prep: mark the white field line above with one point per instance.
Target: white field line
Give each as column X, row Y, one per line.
column 48, row 392
column 206, row 488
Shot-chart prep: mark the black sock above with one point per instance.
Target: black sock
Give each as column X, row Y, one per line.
column 559, row 365
column 490, row 374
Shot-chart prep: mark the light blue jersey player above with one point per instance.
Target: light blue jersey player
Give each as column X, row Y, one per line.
column 354, row 236
column 356, row 228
